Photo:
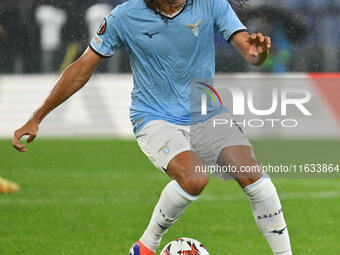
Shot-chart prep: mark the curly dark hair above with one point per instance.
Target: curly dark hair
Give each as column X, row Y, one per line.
column 155, row 6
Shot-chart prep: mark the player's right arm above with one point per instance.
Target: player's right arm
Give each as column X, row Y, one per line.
column 71, row 80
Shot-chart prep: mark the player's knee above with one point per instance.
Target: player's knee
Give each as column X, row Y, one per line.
column 245, row 181
column 194, row 185
column 183, row 169
column 249, row 173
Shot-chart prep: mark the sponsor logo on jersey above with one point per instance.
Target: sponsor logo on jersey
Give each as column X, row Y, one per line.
column 195, row 28
column 150, row 35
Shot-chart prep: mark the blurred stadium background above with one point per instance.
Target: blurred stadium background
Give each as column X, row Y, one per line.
column 304, row 32
column 91, row 190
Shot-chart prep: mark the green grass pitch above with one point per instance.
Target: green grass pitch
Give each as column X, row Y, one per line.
column 96, row 197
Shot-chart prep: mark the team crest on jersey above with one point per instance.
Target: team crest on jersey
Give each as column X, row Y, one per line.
column 195, row 28
column 102, row 28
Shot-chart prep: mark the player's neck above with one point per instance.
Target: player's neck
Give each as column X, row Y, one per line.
column 171, row 7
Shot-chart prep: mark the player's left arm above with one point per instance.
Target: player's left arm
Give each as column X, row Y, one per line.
column 254, row 48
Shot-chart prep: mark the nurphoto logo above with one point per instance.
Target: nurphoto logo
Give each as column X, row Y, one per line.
column 244, row 102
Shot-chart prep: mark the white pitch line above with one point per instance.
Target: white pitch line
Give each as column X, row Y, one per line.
column 208, row 198
column 282, row 195
column 54, row 200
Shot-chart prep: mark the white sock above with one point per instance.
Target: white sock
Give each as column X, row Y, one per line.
column 269, row 215
column 171, row 205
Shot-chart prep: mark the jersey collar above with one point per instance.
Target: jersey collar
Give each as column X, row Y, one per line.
column 175, row 14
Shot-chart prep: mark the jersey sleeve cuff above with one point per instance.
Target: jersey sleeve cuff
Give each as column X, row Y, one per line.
column 99, row 53
column 235, row 32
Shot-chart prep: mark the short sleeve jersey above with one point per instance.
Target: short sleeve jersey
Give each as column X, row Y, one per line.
column 166, row 57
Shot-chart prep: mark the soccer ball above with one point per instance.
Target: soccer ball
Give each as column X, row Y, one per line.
column 184, row 246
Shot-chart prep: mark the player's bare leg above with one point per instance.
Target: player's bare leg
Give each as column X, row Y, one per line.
column 175, row 198
column 181, row 169
column 264, row 199
column 7, row 187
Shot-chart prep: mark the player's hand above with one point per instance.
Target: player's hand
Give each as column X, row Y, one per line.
column 31, row 129
column 259, row 44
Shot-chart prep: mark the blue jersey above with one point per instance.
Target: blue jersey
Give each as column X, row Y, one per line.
column 166, row 56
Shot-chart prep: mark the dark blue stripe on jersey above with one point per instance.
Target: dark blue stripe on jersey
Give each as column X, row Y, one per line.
column 100, row 55
column 235, row 33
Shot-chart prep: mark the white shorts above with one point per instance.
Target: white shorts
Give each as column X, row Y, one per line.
column 161, row 141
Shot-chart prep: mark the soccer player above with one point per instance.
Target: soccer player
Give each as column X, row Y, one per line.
column 7, row 187
column 170, row 43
